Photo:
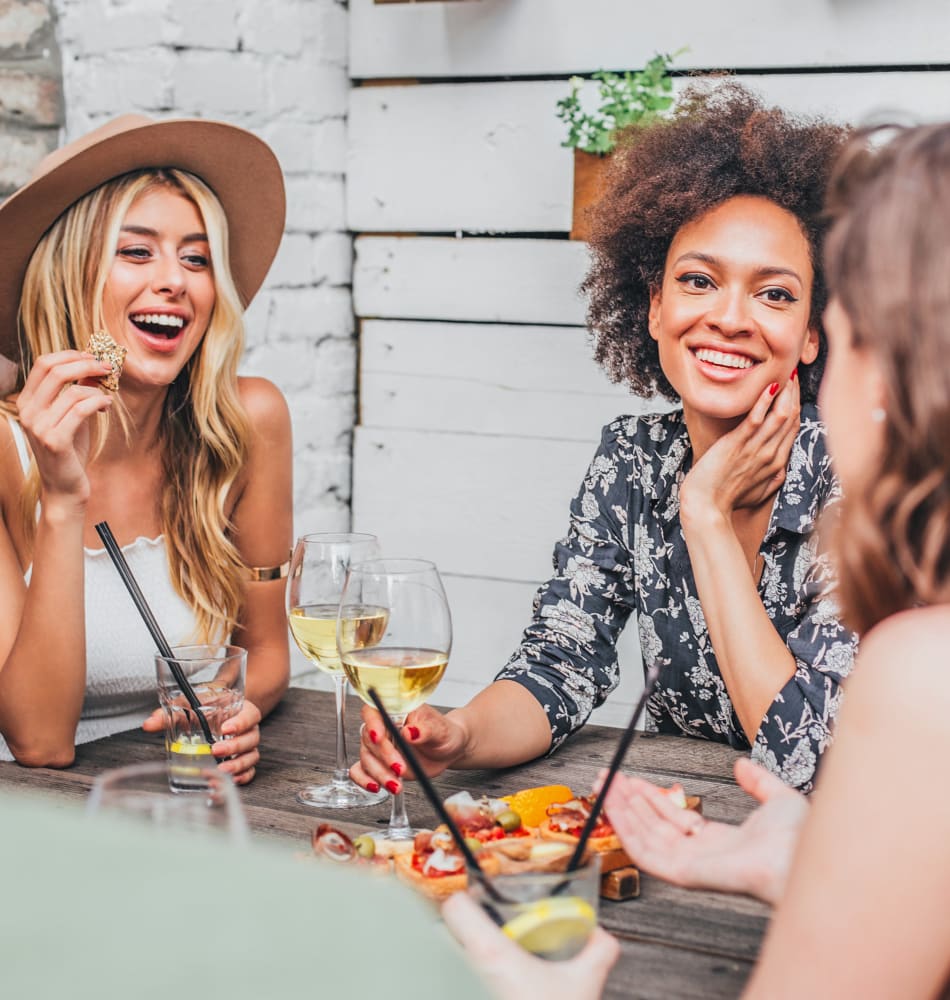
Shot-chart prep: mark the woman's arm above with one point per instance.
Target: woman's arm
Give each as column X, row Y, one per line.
column 263, row 533
column 42, row 627
column 566, row 663
column 739, row 472
column 865, row 910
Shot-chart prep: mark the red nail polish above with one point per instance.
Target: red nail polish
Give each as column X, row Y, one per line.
column 773, row 388
column 396, row 768
column 373, row 738
column 794, row 374
column 413, row 732
column 392, row 787
column 372, row 786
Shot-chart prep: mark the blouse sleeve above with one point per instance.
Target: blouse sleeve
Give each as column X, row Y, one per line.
column 798, row 726
column 567, row 657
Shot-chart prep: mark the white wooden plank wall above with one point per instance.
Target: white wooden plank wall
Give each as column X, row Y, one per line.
column 486, row 157
column 480, row 404
column 559, row 37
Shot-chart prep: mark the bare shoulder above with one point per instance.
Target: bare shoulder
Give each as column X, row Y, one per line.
column 917, row 631
column 903, row 665
column 265, row 405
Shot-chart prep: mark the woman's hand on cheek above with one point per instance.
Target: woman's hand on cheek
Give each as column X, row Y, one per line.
column 746, row 466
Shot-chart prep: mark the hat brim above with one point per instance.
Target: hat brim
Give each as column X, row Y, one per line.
column 239, row 167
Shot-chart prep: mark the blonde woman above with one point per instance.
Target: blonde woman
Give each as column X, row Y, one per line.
column 159, row 234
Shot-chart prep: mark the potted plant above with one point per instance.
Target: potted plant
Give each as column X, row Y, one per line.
column 625, row 99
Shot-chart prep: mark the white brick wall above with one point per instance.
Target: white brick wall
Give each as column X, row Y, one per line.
column 278, row 68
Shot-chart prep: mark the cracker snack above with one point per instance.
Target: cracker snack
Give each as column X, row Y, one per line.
column 105, row 349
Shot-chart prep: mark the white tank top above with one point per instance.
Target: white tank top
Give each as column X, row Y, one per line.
column 120, row 670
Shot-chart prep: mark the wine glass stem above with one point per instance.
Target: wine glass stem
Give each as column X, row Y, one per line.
column 399, row 828
column 341, row 771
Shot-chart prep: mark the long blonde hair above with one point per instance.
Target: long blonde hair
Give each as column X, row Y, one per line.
column 204, row 429
column 888, row 260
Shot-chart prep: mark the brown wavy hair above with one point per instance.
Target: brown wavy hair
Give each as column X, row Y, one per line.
column 719, row 143
column 888, row 263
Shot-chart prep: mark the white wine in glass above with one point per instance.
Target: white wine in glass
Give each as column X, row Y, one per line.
column 406, row 662
column 317, row 573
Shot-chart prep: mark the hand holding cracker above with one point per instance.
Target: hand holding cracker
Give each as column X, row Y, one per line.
column 105, row 349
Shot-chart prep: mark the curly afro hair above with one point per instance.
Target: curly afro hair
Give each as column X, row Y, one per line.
column 718, row 144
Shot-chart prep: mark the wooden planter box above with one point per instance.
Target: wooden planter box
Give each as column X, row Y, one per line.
column 590, row 171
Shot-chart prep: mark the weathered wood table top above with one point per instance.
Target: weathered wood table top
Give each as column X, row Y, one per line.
column 675, row 943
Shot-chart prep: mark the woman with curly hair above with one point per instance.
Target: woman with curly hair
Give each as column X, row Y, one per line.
column 151, row 236
column 705, row 288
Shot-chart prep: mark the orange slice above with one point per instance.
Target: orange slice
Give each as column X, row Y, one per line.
column 531, row 804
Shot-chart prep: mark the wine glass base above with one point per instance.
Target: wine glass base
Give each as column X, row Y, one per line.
column 347, row 795
column 396, row 836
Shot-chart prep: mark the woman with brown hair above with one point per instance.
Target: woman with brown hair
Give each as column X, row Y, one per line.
column 156, row 235
column 705, row 288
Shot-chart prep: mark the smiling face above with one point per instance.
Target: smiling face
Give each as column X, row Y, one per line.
column 160, row 293
column 732, row 314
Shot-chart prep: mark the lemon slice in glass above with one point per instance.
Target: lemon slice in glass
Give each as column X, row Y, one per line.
column 553, row 928
column 191, row 749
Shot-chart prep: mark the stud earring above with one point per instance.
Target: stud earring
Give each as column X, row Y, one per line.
column 878, row 415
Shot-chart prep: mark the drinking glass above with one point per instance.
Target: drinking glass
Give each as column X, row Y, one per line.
column 407, row 657
column 216, row 674
column 317, row 572
column 144, row 792
column 550, row 914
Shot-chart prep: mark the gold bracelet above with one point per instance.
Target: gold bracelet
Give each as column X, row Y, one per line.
column 257, row 574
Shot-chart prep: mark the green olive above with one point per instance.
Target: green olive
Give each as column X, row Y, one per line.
column 508, row 820
column 365, row 846
column 474, row 844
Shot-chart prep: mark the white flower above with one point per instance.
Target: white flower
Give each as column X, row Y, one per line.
column 570, row 620
column 590, row 509
column 695, row 611
column 650, row 645
column 642, row 556
column 582, row 575
column 840, row 658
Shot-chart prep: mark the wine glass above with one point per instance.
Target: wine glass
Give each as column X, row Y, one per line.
column 407, row 657
column 317, row 572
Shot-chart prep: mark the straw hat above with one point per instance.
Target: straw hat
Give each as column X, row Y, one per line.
column 240, row 168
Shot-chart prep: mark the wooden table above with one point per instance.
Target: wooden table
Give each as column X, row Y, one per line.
column 675, row 944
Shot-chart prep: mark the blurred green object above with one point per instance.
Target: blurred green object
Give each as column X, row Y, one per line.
column 100, row 908
column 625, row 99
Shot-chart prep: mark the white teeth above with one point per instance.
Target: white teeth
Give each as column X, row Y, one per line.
column 726, row 360
column 159, row 319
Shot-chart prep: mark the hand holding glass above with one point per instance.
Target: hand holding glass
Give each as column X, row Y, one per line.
column 216, row 675
column 317, row 572
column 406, row 660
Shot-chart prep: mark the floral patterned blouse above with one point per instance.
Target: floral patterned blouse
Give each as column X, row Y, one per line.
column 625, row 552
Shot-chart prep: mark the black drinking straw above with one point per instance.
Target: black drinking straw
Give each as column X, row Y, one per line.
column 653, row 675
column 108, row 539
column 433, row 796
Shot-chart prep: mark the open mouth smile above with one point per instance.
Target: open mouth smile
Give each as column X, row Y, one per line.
column 158, row 324
column 723, row 360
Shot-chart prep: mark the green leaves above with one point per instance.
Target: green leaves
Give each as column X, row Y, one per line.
column 625, row 99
